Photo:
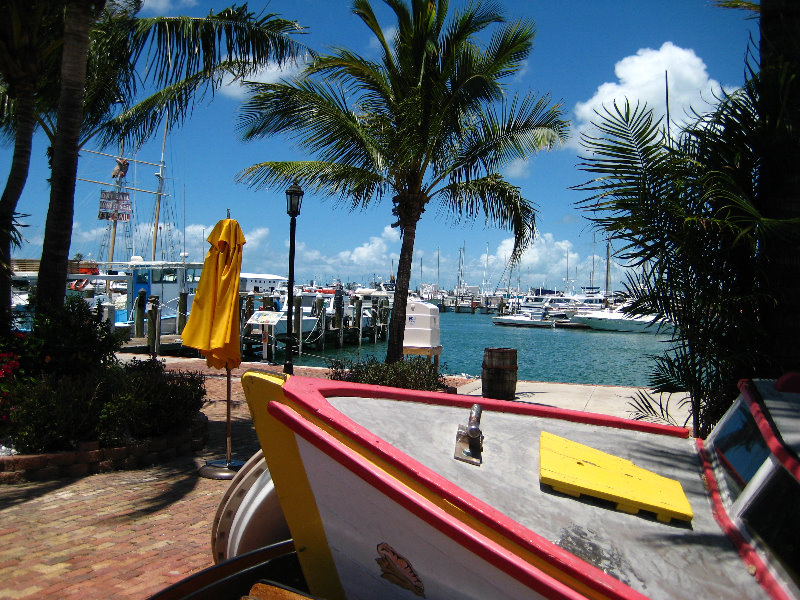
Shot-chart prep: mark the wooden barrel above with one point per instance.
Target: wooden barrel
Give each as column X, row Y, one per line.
column 499, row 373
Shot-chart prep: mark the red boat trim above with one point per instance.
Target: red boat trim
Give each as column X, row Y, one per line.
column 310, row 395
column 328, row 387
column 775, row 444
column 748, row 554
column 489, row 550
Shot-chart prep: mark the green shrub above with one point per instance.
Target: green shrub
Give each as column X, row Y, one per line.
column 414, row 373
column 61, row 384
column 115, row 404
column 9, row 364
column 150, row 401
column 56, row 412
column 65, row 340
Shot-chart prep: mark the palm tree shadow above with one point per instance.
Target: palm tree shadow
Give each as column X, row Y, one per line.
column 14, row 495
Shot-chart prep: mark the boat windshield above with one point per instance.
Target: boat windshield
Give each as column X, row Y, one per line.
column 772, row 516
column 741, row 450
column 165, row 275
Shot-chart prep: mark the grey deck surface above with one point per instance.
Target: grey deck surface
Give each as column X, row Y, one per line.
column 784, row 409
column 663, row 561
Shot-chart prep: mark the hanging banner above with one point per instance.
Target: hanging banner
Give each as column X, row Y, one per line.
column 115, row 206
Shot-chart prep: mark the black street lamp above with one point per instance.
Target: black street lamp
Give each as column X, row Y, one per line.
column 294, row 198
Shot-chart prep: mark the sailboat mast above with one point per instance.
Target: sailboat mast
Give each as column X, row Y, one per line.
column 160, row 191
column 608, row 266
column 438, row 285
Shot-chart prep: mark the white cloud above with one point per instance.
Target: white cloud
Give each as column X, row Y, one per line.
column 256, row 238
column 523, row 69
column 519, row 168
column 544, row 264
column 165, row 7
column 641, row 78
column 388, row 35
column 270, row 74
column 391, row 234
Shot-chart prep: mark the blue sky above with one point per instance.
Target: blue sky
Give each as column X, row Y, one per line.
column 587, row 53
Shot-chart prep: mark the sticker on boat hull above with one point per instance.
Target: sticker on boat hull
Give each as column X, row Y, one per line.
column 398, row 570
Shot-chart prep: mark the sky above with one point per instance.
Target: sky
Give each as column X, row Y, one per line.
column 587, row 54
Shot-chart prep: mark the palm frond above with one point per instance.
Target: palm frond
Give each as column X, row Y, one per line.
column 515, row 131
column 318, row 117
column 352, row 185
column 648, row 407
column 175, row 48
column 500, row 203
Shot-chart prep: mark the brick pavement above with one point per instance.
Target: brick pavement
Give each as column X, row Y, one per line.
column 125, row 534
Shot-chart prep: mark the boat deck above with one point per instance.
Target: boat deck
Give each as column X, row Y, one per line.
column 689, row 561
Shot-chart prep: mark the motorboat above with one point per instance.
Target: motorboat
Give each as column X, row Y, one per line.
column 617, row 320
column 391, row 493
column 524, row 319
column 553, row 306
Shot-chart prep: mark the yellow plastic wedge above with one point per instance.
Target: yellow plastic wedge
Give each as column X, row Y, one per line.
column 575, row 469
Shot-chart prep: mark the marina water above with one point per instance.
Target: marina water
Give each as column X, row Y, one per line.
column 554, row 355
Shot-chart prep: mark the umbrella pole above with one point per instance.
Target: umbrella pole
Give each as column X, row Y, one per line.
column 228, row 420
column 223, row 469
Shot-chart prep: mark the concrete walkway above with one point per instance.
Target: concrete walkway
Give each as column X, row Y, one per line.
column 129, row 534
column 605, row 399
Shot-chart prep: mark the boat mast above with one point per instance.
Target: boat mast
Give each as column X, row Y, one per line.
column 118, row 189
column 159, row 192
column 438, row 286
column 608, row 268
column 485, row 269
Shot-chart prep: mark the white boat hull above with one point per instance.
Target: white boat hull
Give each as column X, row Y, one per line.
column 616, row 321
column 380, row 505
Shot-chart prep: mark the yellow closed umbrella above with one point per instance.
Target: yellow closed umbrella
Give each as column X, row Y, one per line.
column 213, row 325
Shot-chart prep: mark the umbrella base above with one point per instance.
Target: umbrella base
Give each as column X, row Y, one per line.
column 220, row 469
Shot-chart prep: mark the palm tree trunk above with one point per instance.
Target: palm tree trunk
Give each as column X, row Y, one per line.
column 779, row 182
column 58, row 229
column 397, row 324
column 20, row 163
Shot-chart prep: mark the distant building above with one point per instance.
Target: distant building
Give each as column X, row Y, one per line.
column 261, row 282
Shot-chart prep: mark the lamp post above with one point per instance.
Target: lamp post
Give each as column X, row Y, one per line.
column 294, row 198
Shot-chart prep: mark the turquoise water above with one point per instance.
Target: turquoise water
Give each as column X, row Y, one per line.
column 557, row 355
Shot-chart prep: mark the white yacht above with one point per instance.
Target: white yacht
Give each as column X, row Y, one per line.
column 616, row 320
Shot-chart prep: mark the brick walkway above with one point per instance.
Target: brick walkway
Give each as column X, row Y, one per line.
column 125, row 534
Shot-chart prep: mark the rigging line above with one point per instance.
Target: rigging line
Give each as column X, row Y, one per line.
column 124, row 187
column 144, row 162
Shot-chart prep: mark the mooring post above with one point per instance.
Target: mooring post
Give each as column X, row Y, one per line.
column 338, row 323
column 138, row 318
column 358, row 319
column 298, row 324
column 183, row 302
column 374, row 321
column 319, row 308
column 152, row 325
column 384, row 317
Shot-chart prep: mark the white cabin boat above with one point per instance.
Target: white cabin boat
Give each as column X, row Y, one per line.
column 616, row 320
column 523, row 319
column 390, row 493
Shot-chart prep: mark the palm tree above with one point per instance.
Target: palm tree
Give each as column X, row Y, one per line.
column 52, row 282
column 27, row 53
column 181, row 58
column 429, row 121
column 779, row 184
column 686, row 214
